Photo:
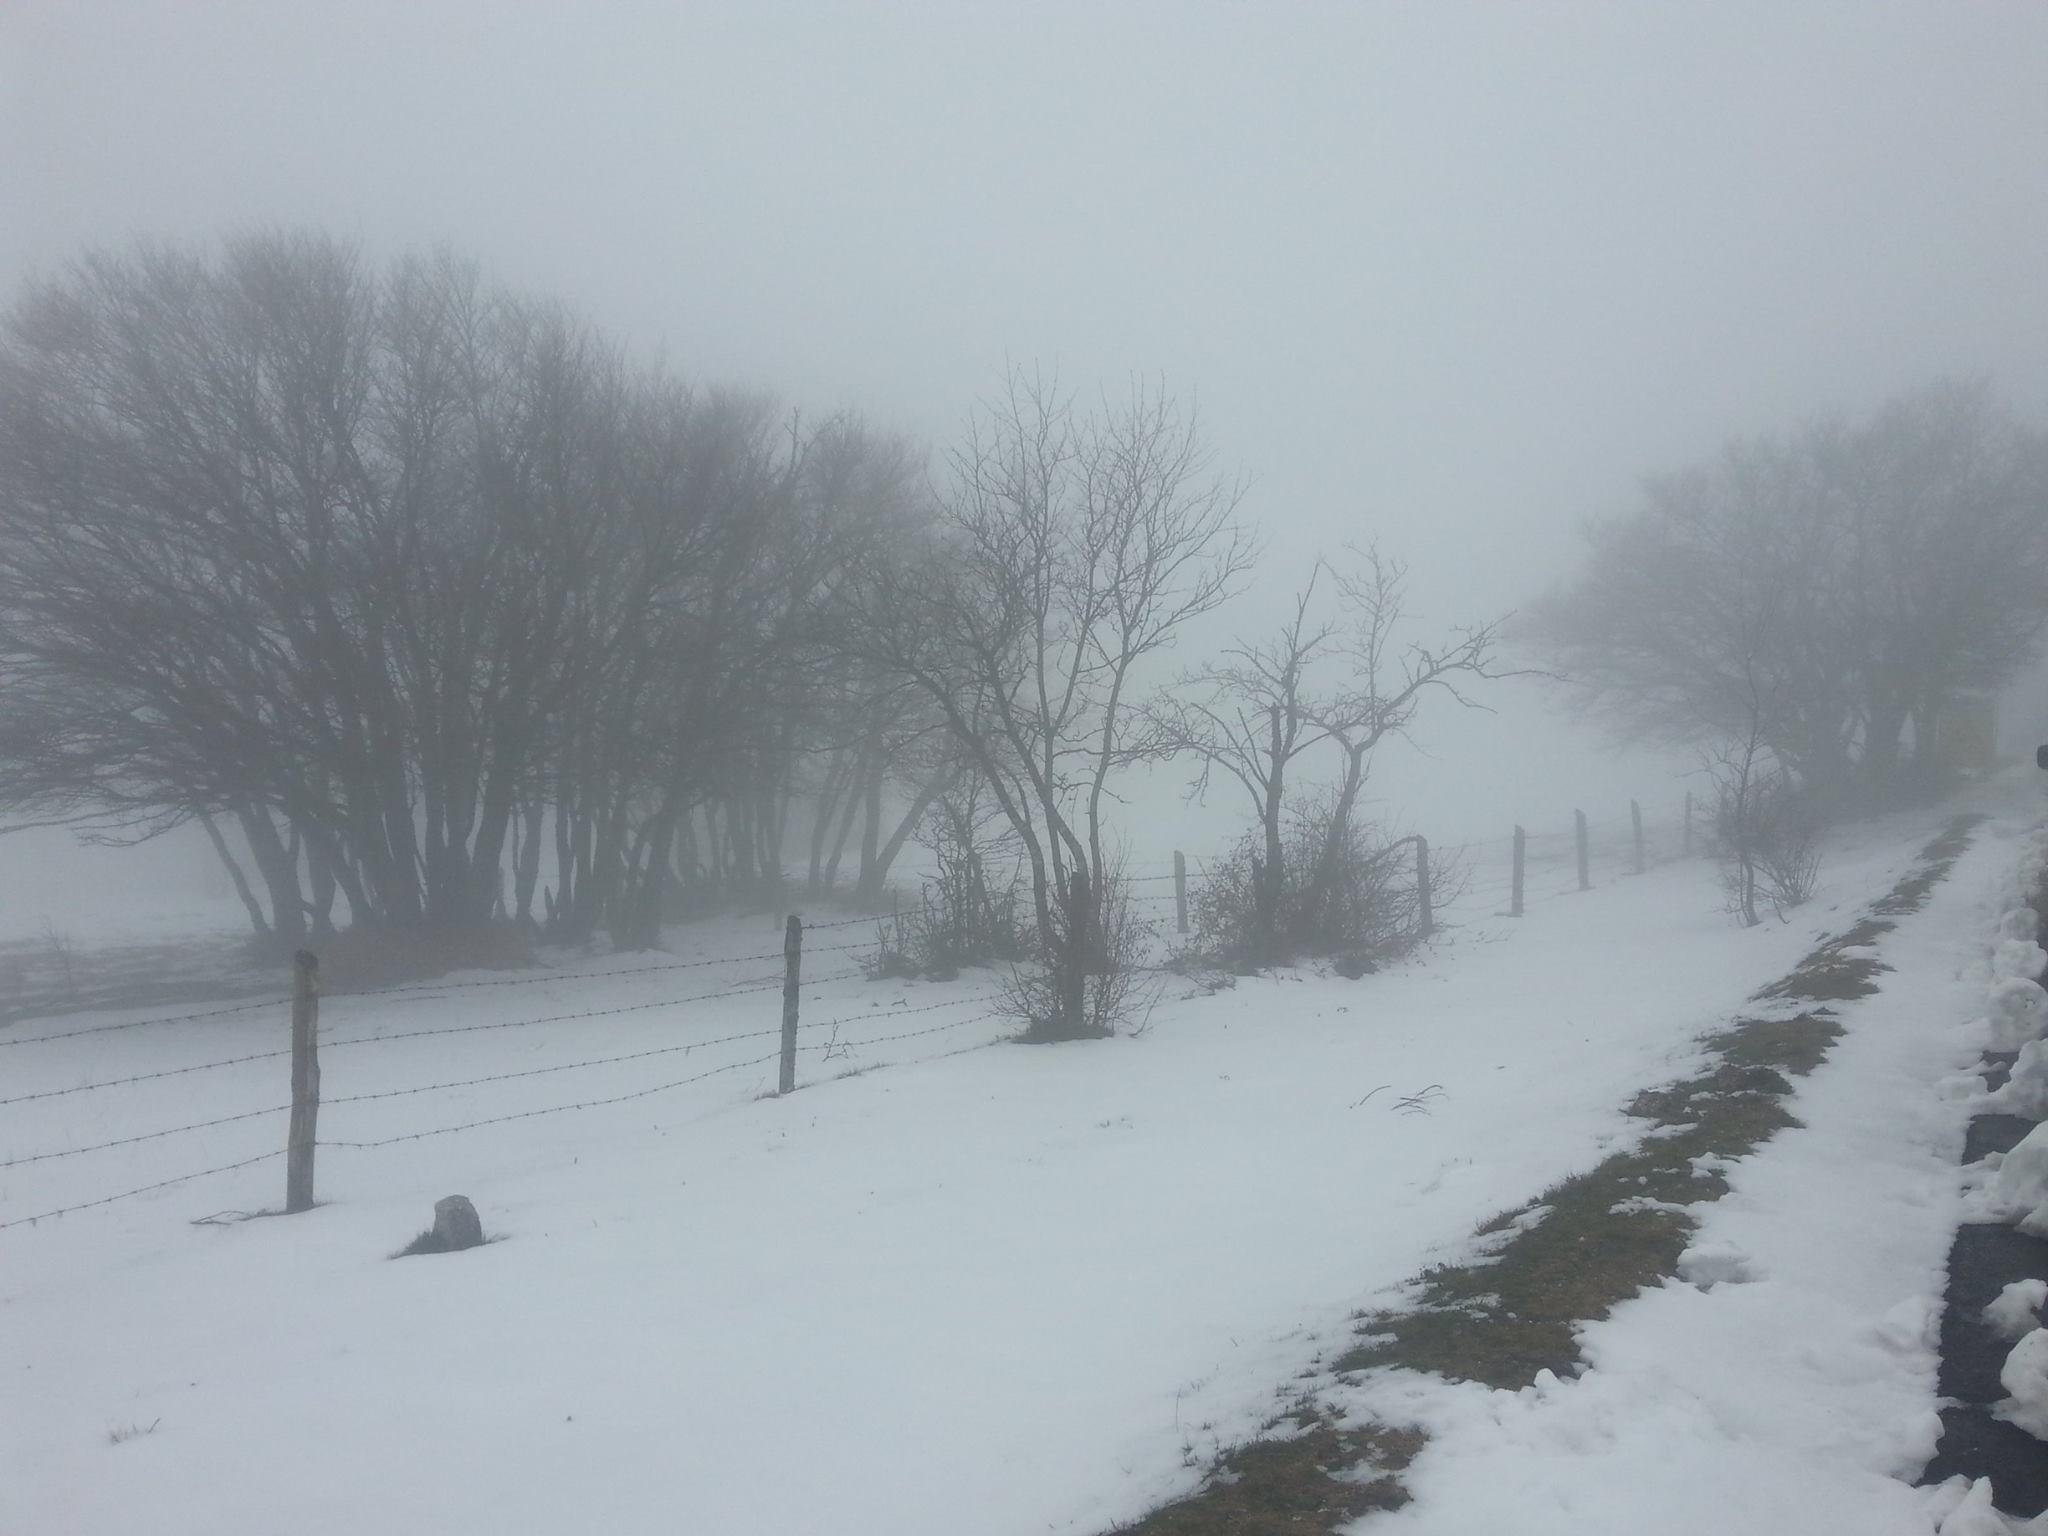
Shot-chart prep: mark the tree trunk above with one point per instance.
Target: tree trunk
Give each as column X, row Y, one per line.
column 280, row 873
column 248, row 897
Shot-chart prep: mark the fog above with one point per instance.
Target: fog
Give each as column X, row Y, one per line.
column 1450, row 279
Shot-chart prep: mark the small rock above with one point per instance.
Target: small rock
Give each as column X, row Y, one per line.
column 456, row 1224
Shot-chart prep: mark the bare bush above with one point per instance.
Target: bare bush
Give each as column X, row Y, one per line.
column 57, row 946
column 1119, row 987
column 974, row 910
column 1788, row 845
column 1767, row 838
column 1345, row 891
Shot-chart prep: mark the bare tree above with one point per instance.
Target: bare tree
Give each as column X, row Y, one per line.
column 1249, row 716
column 1072, row 549
column 1390, row 678
column 1340, row 675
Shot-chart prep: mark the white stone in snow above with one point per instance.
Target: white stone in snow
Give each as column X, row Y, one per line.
column 2020, row 923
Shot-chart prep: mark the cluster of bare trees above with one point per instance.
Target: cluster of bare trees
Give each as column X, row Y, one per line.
column 1821, row 597
column 430, row 593
column 425, row 602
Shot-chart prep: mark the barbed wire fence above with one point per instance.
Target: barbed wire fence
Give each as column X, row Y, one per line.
column 1502, row 876
column 1506, row 874
column 838, row 1036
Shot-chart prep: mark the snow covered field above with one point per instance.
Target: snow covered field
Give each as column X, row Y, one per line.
column 981, row 1287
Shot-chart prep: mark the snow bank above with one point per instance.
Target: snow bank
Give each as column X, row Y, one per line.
column 2025, row 1377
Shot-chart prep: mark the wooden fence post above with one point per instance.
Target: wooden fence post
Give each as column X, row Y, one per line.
column 1688, row 823
column 1521, row 847
column 1180, row 889
column 298, row 1171
column 1635, row 816
column 1585, row 872
column 1424, row 910
column 792, row 973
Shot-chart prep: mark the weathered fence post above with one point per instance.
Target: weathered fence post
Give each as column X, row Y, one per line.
column 1688, row 823
column 1585, row 872
column 1180, row 890
column 298, row 1169
column 1424, row 910
column 792, row 973
column 1521, row 849
column 1635, row 816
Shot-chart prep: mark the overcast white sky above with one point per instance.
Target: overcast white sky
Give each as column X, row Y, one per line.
column 1451, row 276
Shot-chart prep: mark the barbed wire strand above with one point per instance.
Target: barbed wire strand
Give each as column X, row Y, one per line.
column 416, row 1034
column 174, row 1018
column 555, row 1109
column 129, row 1194
column 597, row 1061
column 129, row 1141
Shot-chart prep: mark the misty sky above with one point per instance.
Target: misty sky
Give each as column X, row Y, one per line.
column 1448, row 276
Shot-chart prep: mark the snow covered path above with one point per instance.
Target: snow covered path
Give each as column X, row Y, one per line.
column 1006, row 1290
column 1799, row 1393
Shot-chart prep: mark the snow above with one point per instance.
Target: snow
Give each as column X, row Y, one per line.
column 1803, row 1399
column 2015, row 1311
column 54, row 887
column 2018, row 1009
column 2025, row 1379
column 975, row 1286
column 1960, row 1507
column 2022, row 958
column 1707, row 1265
column 2025, row 1091
column 2019, row 1193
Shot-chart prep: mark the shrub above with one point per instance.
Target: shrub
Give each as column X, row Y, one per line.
column 1120, row 990
column 1352, row 896
column 972, row 911
column 1767, row 838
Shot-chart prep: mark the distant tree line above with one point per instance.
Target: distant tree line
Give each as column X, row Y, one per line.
column 1821, row 598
